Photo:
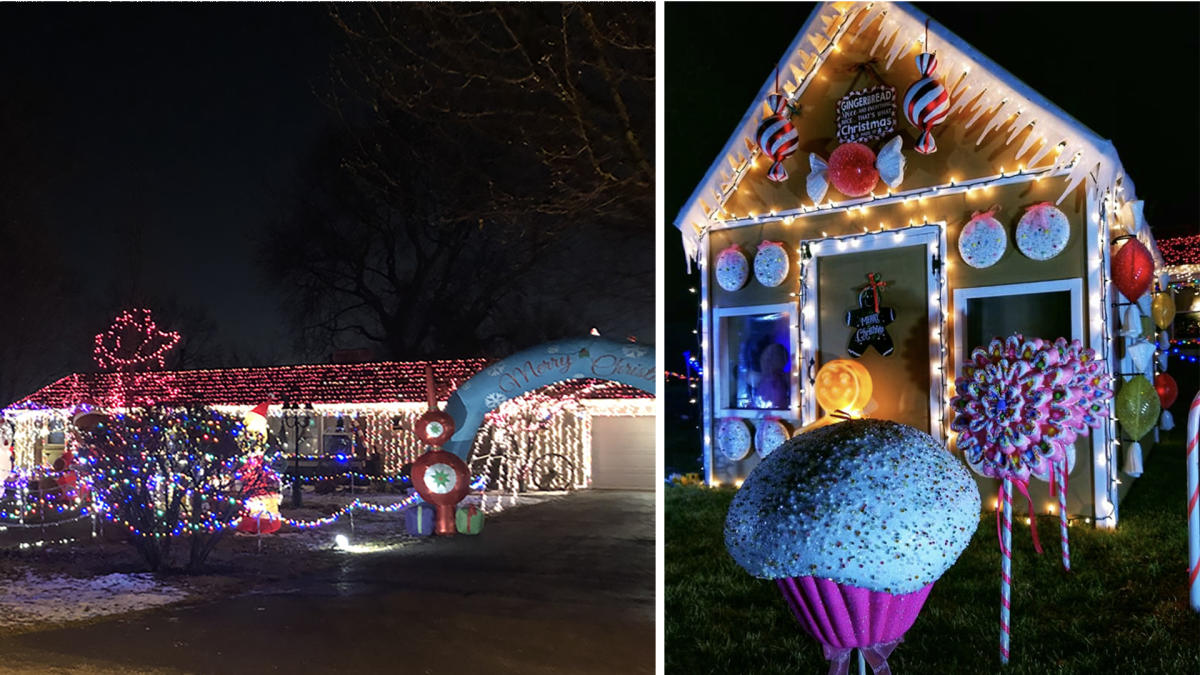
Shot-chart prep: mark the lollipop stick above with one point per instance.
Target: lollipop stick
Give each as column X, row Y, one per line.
column 1005, row 568
column 862, row 663
column 1062, row 514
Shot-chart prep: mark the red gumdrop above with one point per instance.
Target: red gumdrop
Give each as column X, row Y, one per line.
column 852, row 170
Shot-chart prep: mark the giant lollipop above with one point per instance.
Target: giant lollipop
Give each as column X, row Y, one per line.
column 854, row 522
column 777, row 136
column 926, row 103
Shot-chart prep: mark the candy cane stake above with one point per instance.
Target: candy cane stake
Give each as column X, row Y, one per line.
column 1062, row 513
column 1193, row 486
column 1005, row 568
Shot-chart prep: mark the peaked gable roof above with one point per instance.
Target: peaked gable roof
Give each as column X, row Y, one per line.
column 382, row 382
column 987, row 98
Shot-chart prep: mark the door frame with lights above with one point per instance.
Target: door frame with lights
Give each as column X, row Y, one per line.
column 930, row 235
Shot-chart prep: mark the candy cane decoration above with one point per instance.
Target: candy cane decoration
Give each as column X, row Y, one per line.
column 1005, row 568
column 1193, row 479
column 1062, row 513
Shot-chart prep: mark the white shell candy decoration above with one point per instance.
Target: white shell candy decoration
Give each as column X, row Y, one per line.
column 771, row 264
column 733, row 438
column 770, row 435
column 983, row 240
column 732, row 269
column 1043, row 232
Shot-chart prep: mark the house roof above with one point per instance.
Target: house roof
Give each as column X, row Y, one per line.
column 986, row 97
column 383, row 382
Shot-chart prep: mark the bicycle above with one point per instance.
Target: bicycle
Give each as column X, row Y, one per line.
column 549, row 472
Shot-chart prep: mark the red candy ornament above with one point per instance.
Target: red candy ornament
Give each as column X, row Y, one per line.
column 1133, row 269
column 1167, row 390
column 855, row 170
column 778, row 137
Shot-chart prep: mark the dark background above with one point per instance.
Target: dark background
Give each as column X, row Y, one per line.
column 1128, row 71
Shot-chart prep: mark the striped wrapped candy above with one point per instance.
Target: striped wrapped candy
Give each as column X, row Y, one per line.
column 778, row 138
column 926, row 103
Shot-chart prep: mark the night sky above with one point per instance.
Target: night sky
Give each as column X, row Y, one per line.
column 1127, row 71
column 187, row 121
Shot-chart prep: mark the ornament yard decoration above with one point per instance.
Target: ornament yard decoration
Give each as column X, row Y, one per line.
column 1010, row 171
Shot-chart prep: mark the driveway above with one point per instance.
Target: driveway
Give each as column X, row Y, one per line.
column 565, row 586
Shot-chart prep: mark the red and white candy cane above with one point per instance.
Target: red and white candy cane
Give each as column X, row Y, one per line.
column 1061, row 467
column 1193, row 486
column 1005, row 567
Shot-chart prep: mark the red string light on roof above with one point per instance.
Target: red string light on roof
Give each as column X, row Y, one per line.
column 133, row 341
column 1180, row 250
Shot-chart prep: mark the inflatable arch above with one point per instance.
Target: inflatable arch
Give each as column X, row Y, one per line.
column 628, row 363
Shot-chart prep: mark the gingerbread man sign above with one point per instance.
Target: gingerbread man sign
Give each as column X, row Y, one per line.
column 869, row 322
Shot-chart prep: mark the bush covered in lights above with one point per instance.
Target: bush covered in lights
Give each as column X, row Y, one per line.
column 169, row 473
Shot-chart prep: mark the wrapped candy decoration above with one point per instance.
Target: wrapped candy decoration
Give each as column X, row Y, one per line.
column 819, row 516
column 777, row 136
column 1163, row 310
column 926, row 103
column 1132, row 269
column 1167, row 390
column 855, row 170
column 1137, row 409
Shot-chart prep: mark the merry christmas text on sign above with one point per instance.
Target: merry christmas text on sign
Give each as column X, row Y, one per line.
column 866, row 114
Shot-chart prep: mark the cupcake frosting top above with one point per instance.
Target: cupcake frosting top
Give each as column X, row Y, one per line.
column 869, row 503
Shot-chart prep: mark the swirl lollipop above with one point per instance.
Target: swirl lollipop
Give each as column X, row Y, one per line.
column 926, row 103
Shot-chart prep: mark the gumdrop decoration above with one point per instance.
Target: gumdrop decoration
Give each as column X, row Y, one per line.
column 732, row 269
column 777, row 136
column 854, row 170
column 771, row 264
column 1043, row 232
column 983, row 240
column 869, row 322
column 926, row 103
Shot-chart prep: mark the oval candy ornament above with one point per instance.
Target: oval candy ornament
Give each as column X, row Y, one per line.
column 771, row 264
column 733, row 438
column 732, row 269
column 1043, row 232
column 983, row 240
column 770, row 435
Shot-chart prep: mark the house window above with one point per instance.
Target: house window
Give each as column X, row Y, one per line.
column 757, row 358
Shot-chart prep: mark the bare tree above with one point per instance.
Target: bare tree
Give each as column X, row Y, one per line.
column 477, row 144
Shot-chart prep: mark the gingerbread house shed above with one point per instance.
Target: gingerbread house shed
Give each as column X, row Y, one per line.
column 894, row 199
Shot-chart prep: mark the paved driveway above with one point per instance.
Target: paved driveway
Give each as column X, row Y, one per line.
column 561, row 587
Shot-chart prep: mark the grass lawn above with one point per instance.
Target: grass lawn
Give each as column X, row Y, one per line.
column 1123, row 608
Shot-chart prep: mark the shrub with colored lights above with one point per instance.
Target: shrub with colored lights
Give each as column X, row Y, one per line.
column 167, row 474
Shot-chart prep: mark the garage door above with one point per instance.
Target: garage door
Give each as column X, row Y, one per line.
column 623, row 453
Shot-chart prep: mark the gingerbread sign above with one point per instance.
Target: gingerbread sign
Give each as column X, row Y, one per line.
column 870, row 321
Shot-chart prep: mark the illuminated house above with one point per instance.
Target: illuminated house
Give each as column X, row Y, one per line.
column 359, row 410
column 784, row 260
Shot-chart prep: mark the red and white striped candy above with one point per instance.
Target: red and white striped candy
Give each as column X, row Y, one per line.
column 926, row 103
column 778, row 138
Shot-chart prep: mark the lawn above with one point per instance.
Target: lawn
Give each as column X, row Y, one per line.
column 1123, row 608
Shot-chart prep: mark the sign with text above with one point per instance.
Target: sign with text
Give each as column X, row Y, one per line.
column 866, row 115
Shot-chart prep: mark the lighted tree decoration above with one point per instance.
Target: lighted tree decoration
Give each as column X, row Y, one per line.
column 133, row 342
column 169, row 473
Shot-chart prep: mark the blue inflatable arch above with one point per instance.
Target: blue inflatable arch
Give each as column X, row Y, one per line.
column 581, row 358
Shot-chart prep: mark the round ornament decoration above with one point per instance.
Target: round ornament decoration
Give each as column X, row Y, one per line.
column 732, row 269
column 770, row 435
column 442, row 479
column 778, row 137
column 1132, row 269
column 1167, row 390
column 926, row 103
column 1043, row 232
column 434, row 427
column 771, row 264
column 983, row 240
column 855, row 170
column 733, row 438
column 1163, row 310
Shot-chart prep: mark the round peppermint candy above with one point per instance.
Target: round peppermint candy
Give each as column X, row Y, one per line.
column 1043, row 232
column 982, row 241
column 733, row 438
column 732, row 269
column 770, row 435
column 440, row 478
column 770, row 264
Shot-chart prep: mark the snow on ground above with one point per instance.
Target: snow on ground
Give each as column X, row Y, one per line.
column 36, row 599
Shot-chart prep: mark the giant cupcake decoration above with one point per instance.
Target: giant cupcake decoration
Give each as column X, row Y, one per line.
column 854, row 522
